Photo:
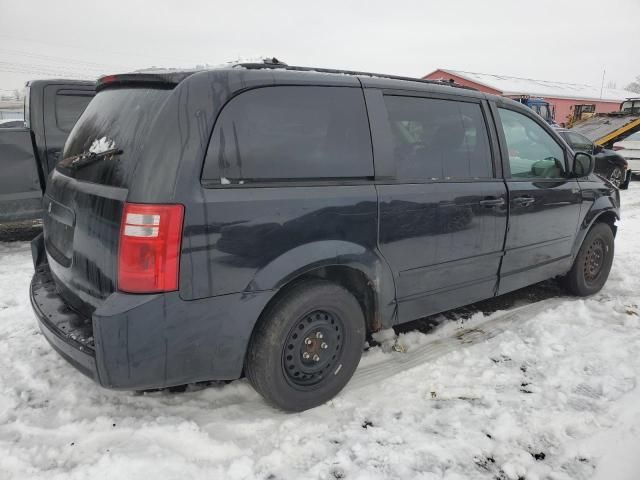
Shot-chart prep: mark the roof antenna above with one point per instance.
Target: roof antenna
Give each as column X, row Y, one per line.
column 273, row 61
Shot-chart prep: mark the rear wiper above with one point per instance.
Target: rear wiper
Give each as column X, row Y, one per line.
column 84, row 159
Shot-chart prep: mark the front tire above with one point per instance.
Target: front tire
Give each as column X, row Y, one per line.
column 306, row 346
column 592, row 265
column 616, row 176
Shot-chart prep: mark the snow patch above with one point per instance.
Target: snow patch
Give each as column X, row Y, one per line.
column 100, row 145
column 544, row 390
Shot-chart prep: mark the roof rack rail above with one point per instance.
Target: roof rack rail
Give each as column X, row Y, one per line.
column 274, row 63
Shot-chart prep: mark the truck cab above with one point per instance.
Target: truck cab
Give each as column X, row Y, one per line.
column 31, row 150
column 630, row 106
column 541, row 107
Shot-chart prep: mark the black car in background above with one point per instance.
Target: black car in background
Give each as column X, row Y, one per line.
column 262, row 220
column 608, row 163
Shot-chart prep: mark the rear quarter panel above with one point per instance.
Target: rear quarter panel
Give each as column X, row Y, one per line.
column 256, row 239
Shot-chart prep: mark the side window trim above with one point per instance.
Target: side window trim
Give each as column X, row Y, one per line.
column 500, row 154
column 488, row 123
column 504, row 151
column 496, row 161
column 383, row 161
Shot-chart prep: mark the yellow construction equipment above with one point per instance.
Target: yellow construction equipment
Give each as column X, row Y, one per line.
column 605, row 129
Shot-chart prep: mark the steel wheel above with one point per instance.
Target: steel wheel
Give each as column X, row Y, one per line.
column 311, row 349
column 593, row 260
column 306, row 346
column 616, row 177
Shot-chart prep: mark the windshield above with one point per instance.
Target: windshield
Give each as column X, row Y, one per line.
column 630, row 106
column 544, row 112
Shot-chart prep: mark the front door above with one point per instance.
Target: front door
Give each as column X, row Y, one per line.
column 443, row 215
column 544, row 202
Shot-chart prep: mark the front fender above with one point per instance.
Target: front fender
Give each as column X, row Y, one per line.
column 312, row 256
column 603, row 205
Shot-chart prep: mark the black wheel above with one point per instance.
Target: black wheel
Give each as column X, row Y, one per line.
column 627, row 181
column 616, row 176
column 306, row 346
column 593, row 263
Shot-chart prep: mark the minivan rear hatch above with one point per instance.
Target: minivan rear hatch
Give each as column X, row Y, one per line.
column 85, row 194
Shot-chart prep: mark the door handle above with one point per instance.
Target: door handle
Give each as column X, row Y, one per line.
column 492, row 202
column 524, row 201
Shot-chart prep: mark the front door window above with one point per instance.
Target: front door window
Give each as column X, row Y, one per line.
column 533, row 153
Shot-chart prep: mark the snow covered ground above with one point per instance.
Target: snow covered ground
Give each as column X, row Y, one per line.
column 545, row 390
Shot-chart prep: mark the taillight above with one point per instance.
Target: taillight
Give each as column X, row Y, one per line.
column 149, row 252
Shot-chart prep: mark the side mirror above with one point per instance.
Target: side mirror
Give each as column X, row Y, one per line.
column 583, row 164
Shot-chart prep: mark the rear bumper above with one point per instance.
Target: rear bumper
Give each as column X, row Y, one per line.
column 138, row 342
column 67, row 332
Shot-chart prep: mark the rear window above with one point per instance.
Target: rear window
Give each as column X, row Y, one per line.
column 438, row 139
column 283, row 133
column 115, row 119
column 69, row 107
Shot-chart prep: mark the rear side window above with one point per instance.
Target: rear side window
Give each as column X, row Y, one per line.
column 438, row 139
column 69, row 107
column 280, row 133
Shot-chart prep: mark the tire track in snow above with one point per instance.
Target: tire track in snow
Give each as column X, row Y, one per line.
column 393, row 364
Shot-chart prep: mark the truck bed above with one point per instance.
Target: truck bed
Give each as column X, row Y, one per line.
column 598, row 127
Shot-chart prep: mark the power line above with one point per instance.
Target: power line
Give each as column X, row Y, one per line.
column 130, row 54
column 55, row 59
column 52, row 68
column 31, row 69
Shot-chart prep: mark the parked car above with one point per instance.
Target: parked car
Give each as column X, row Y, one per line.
column 608, row 163
column 261, row 221
column 30, row 149
column 11, row 123
column 629, row 148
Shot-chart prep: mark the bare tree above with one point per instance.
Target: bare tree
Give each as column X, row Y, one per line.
column 634, row 86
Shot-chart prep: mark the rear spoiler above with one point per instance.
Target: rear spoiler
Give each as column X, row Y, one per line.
column 165, row 80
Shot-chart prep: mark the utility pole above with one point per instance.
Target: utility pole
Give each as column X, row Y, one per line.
column 604, row 70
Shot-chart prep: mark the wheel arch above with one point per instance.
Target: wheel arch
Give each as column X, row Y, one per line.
column 362, row 271
column 355, row 280
column 605, row 215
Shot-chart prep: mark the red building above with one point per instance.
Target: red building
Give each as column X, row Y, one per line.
column 564, row 96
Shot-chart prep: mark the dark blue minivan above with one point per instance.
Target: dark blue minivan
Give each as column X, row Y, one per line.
column 261, row 220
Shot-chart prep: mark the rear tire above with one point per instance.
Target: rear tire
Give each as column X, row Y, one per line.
column 592, row 265
column 306, row 346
